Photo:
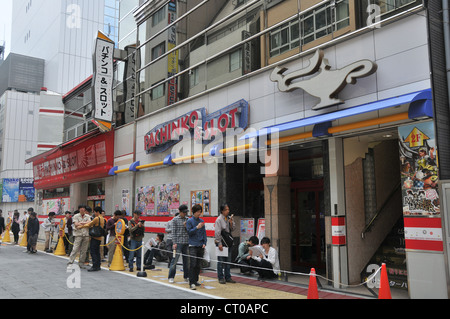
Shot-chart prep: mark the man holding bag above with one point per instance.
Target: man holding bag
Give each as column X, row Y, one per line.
column 96, row 233
column 222, row 232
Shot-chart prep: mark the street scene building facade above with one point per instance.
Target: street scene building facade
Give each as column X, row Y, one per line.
column 313, row 120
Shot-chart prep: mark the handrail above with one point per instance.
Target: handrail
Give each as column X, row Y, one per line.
column 369, row 225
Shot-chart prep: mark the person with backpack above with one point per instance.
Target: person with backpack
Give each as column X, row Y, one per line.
column 137, row 230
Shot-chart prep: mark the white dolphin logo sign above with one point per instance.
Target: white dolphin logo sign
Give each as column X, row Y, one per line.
column 327, row 84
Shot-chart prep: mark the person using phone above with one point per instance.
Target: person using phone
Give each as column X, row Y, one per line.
column 223, row 227
column 195, row 227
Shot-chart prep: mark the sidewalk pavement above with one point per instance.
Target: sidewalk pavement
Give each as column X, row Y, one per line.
column 246, row 287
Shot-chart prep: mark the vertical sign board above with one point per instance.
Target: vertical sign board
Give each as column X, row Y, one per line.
column 424, row 243
column 420, row 194
column 102, row 90
column 129, row 80
column 172, row 66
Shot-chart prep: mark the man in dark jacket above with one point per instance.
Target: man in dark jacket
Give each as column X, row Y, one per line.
column 195, row 227
column 33, row 232
column 2, row 223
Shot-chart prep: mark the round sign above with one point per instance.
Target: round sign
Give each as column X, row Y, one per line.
column 120, row 227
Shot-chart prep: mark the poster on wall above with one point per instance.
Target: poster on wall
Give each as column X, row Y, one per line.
column 18, row 190
column 145, row 200
column 125, row 203
column 419, row 170
column 247, row 228
column 56, row 205
column 167, row 199
column 261, row 229
column 202, row 198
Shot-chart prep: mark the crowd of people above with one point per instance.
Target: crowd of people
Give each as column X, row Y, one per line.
column 87, row 232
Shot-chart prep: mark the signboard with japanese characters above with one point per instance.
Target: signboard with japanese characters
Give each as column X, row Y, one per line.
column 102, row 89
column 129, row 80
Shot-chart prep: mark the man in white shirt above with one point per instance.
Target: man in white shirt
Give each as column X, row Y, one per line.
column 80, row 235
column 267, row 263
column 49, row 227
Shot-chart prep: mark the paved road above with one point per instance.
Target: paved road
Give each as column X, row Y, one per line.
column 45, row 276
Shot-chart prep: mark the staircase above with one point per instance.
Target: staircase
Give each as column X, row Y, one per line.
column 392, row 253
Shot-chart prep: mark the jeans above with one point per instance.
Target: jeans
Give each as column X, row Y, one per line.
column 133, row 245
column 181, row 248
column 196, row 256
column 224, row 269
column 95, row 253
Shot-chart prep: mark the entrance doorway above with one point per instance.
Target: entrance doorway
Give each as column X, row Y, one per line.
column 308, row 225
column 308, row 205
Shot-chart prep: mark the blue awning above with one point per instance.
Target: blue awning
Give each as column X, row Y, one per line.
column 420, row 106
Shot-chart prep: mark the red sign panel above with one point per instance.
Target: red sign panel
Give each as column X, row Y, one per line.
column 338, row 231
column 422, row 233
column 83, row 160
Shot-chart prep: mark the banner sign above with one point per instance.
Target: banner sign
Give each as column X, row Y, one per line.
column 419, row 171
column 420, row 190
column 202, row 127
column 102, row 90
column 129, row 82
column 172, row 67
column 18, row 190
column 85, row 160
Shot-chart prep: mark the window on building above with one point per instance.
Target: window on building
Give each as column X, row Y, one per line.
column 284, row 38
column 236, row 60
column 159, row 16
column 159, row 50
column 324, row 20
column 193, row 77
column 313, row 25
column 391, row 5
column 158, row 92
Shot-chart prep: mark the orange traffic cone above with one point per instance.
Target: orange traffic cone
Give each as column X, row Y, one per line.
column 385, row 290
column 313, row 293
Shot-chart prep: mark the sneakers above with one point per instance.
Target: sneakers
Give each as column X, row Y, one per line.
column 193, row 287
column 171, row 280
column 224, row 281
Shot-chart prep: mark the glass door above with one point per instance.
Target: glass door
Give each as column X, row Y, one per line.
column 308, row 224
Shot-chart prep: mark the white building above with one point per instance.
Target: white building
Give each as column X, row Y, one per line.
column 62, row 39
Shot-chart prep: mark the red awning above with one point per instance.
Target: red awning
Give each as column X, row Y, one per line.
column 88, row 157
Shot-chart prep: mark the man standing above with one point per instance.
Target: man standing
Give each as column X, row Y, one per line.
column 32, row 232
column 180, row 243
column 2, row 223
column 49, row 227
column 80, row 235
column 224, row 225
column 68, row 233
column 137, row 231
column 98, row 221
column 195, row 227
column 111, row 228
